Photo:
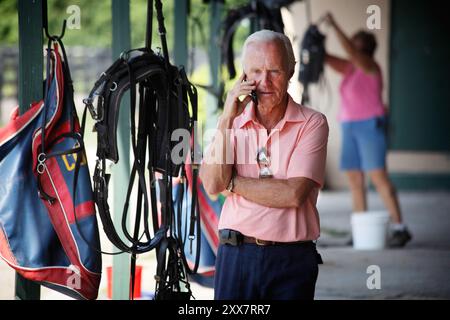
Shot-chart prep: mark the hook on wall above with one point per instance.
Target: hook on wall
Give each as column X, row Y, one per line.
column 45, row 23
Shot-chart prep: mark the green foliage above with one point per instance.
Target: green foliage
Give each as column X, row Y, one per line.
column 201, row 76
column 95, row 21
column 8, row 22
column 96, row 28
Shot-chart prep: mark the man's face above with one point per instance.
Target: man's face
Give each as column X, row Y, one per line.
column 266, row 63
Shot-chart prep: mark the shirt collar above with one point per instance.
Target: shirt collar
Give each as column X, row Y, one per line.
column 293, row 113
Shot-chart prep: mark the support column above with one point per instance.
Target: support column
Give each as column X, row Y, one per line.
column 216, row 7
column 30, row 89
column 180, row 47
column 121, row 171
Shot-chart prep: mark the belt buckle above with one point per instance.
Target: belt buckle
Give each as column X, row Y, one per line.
column 260, row 242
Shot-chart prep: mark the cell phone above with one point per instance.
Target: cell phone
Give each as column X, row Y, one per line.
column 254, row 97
column 252, row 94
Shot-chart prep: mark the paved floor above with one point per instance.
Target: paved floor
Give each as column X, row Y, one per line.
column 421, row 270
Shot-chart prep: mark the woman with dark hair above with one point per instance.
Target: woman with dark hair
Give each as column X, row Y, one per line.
column 363, row 120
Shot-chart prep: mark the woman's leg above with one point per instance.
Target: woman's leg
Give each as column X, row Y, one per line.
column 400, row 233
column 358, row 190
column 387, row 192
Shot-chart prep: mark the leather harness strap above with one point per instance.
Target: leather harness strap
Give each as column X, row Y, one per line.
column 165, row 95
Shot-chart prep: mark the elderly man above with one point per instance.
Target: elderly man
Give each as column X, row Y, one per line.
column 268, row 155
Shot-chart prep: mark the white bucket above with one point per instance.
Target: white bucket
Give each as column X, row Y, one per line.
column 369, row 229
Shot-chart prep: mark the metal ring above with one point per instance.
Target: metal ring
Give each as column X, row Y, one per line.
column 114, row 88
column 41, row 157
column 124, row 55
column 40, row 168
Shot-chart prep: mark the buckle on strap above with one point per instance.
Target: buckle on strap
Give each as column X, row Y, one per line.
column 263, row 243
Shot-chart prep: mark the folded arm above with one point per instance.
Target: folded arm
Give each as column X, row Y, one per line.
column 274, row 193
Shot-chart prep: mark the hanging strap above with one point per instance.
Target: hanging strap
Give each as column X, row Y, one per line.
column 148, row 30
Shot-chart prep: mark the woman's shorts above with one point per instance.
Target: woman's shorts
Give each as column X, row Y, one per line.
column 364, row 144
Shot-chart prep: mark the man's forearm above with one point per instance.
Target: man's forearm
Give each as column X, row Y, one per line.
column 274, row 193
column 216, row 169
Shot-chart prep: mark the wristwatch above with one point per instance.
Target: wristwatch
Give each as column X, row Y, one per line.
column 230, row 186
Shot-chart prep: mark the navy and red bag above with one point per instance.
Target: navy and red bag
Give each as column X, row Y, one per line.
column 48, row 227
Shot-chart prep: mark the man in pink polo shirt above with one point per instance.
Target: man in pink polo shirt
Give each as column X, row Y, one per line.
column 269, row 156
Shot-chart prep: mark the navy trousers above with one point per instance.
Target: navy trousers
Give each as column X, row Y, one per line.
column 252, row 272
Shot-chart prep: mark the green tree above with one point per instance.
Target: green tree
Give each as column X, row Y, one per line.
column 95, row 25
column 8, row 22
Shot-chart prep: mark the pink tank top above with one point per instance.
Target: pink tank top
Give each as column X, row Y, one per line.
column 361, row 95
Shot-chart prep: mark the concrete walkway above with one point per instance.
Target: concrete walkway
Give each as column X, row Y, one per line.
column 421, row 270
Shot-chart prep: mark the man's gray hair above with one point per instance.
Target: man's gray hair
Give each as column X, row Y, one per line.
column 264, row 36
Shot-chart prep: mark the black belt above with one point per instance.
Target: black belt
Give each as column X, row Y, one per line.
column 260, row 242
column 235, row 238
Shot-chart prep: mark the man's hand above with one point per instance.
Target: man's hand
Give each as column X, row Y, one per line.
column 233, row 106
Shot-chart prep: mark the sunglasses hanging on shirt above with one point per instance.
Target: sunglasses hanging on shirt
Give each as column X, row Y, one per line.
column 263, row 159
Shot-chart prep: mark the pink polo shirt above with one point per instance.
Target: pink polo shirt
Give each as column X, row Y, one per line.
column 297, row 147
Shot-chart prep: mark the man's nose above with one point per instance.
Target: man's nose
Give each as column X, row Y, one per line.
column 263, row 79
